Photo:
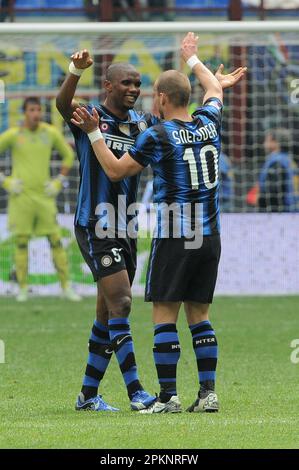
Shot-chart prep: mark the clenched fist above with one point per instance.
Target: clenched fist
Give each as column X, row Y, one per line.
column 82, row 59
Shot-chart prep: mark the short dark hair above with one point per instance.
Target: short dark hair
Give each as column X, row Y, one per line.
column 30, row 100
column 283, row 137
column 115, row 69
column 176, row 86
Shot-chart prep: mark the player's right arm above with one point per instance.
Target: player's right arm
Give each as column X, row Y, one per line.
column 65, row 102
column 7, row 140
column 209, row 82
column 9, row 183
column 116, row 169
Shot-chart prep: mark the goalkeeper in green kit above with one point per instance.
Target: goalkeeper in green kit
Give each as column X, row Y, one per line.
column 32, row 193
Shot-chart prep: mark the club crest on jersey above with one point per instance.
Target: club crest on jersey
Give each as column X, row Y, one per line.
column 104, row 126
column 142, row 126
column 125, row 128
column 106, row 261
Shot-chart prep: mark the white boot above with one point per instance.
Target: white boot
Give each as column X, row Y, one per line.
column 71, row 295
column 22, row 295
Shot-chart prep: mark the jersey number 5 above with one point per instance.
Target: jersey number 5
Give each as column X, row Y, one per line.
column 190, row 158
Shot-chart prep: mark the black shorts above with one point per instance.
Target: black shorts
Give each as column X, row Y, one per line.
column 106, row 256
column 177, row 274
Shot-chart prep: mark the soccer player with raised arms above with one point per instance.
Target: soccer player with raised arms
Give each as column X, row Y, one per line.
column 112, row 257
column 183, row 153
column 32, row 193
column 112, row 260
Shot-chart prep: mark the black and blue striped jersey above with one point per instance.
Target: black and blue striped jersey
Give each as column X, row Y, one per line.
column 96, row 191
column 184, row 157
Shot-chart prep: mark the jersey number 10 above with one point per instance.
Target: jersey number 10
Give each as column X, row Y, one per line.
column 190, row 158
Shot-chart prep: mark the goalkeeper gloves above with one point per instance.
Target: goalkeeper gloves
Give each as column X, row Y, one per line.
column 10, row 184
column 54, row 186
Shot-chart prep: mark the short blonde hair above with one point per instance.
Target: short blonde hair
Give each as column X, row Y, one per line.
column 176, row 86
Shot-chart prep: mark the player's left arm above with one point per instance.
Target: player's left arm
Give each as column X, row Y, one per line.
column 64, row 150
column 209, row 82
column 229, row 80
column 55, row 185
column 116, row 169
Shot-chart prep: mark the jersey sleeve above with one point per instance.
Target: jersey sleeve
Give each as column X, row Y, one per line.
column 212, row 109
column 151, row 119
column 7, row 139
column 75, row 130
column 63, row 148
column 143, row 151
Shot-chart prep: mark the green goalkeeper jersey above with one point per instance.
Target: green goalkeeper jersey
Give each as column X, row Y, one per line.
column 31, row 153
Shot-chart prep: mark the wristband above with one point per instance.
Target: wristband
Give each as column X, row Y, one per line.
column 95, row 135
column 73, row 70
column 192, row 61
column 2, row 177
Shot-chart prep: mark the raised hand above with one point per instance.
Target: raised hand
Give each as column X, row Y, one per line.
column 230, row 79
column 86, row 121
column 189, row 46
column 82, row 59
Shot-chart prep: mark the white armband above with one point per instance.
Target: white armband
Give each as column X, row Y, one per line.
column 192, row 61
column 73, row 70
column 95, row 135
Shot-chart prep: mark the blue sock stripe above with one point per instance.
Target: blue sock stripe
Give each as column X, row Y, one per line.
column 166, row 337
column 118, row 326
column 204, row 333
column 120, row 335
column 202, row 323
column 98, row 362
column 118, row 321
column 98, row 340
column 208, row 375
column 130, row 375
column 166, row 358
column 201, row 327
column 206, row 352
column 122, row 329
column 101, row 327
column 124, row 351
column 97, row 356
column 99, row 333
column 90, row 382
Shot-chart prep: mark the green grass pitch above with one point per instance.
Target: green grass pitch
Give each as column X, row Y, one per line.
column 46, row 349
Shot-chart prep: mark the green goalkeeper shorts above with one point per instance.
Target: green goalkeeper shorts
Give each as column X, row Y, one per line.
column 32, row 214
